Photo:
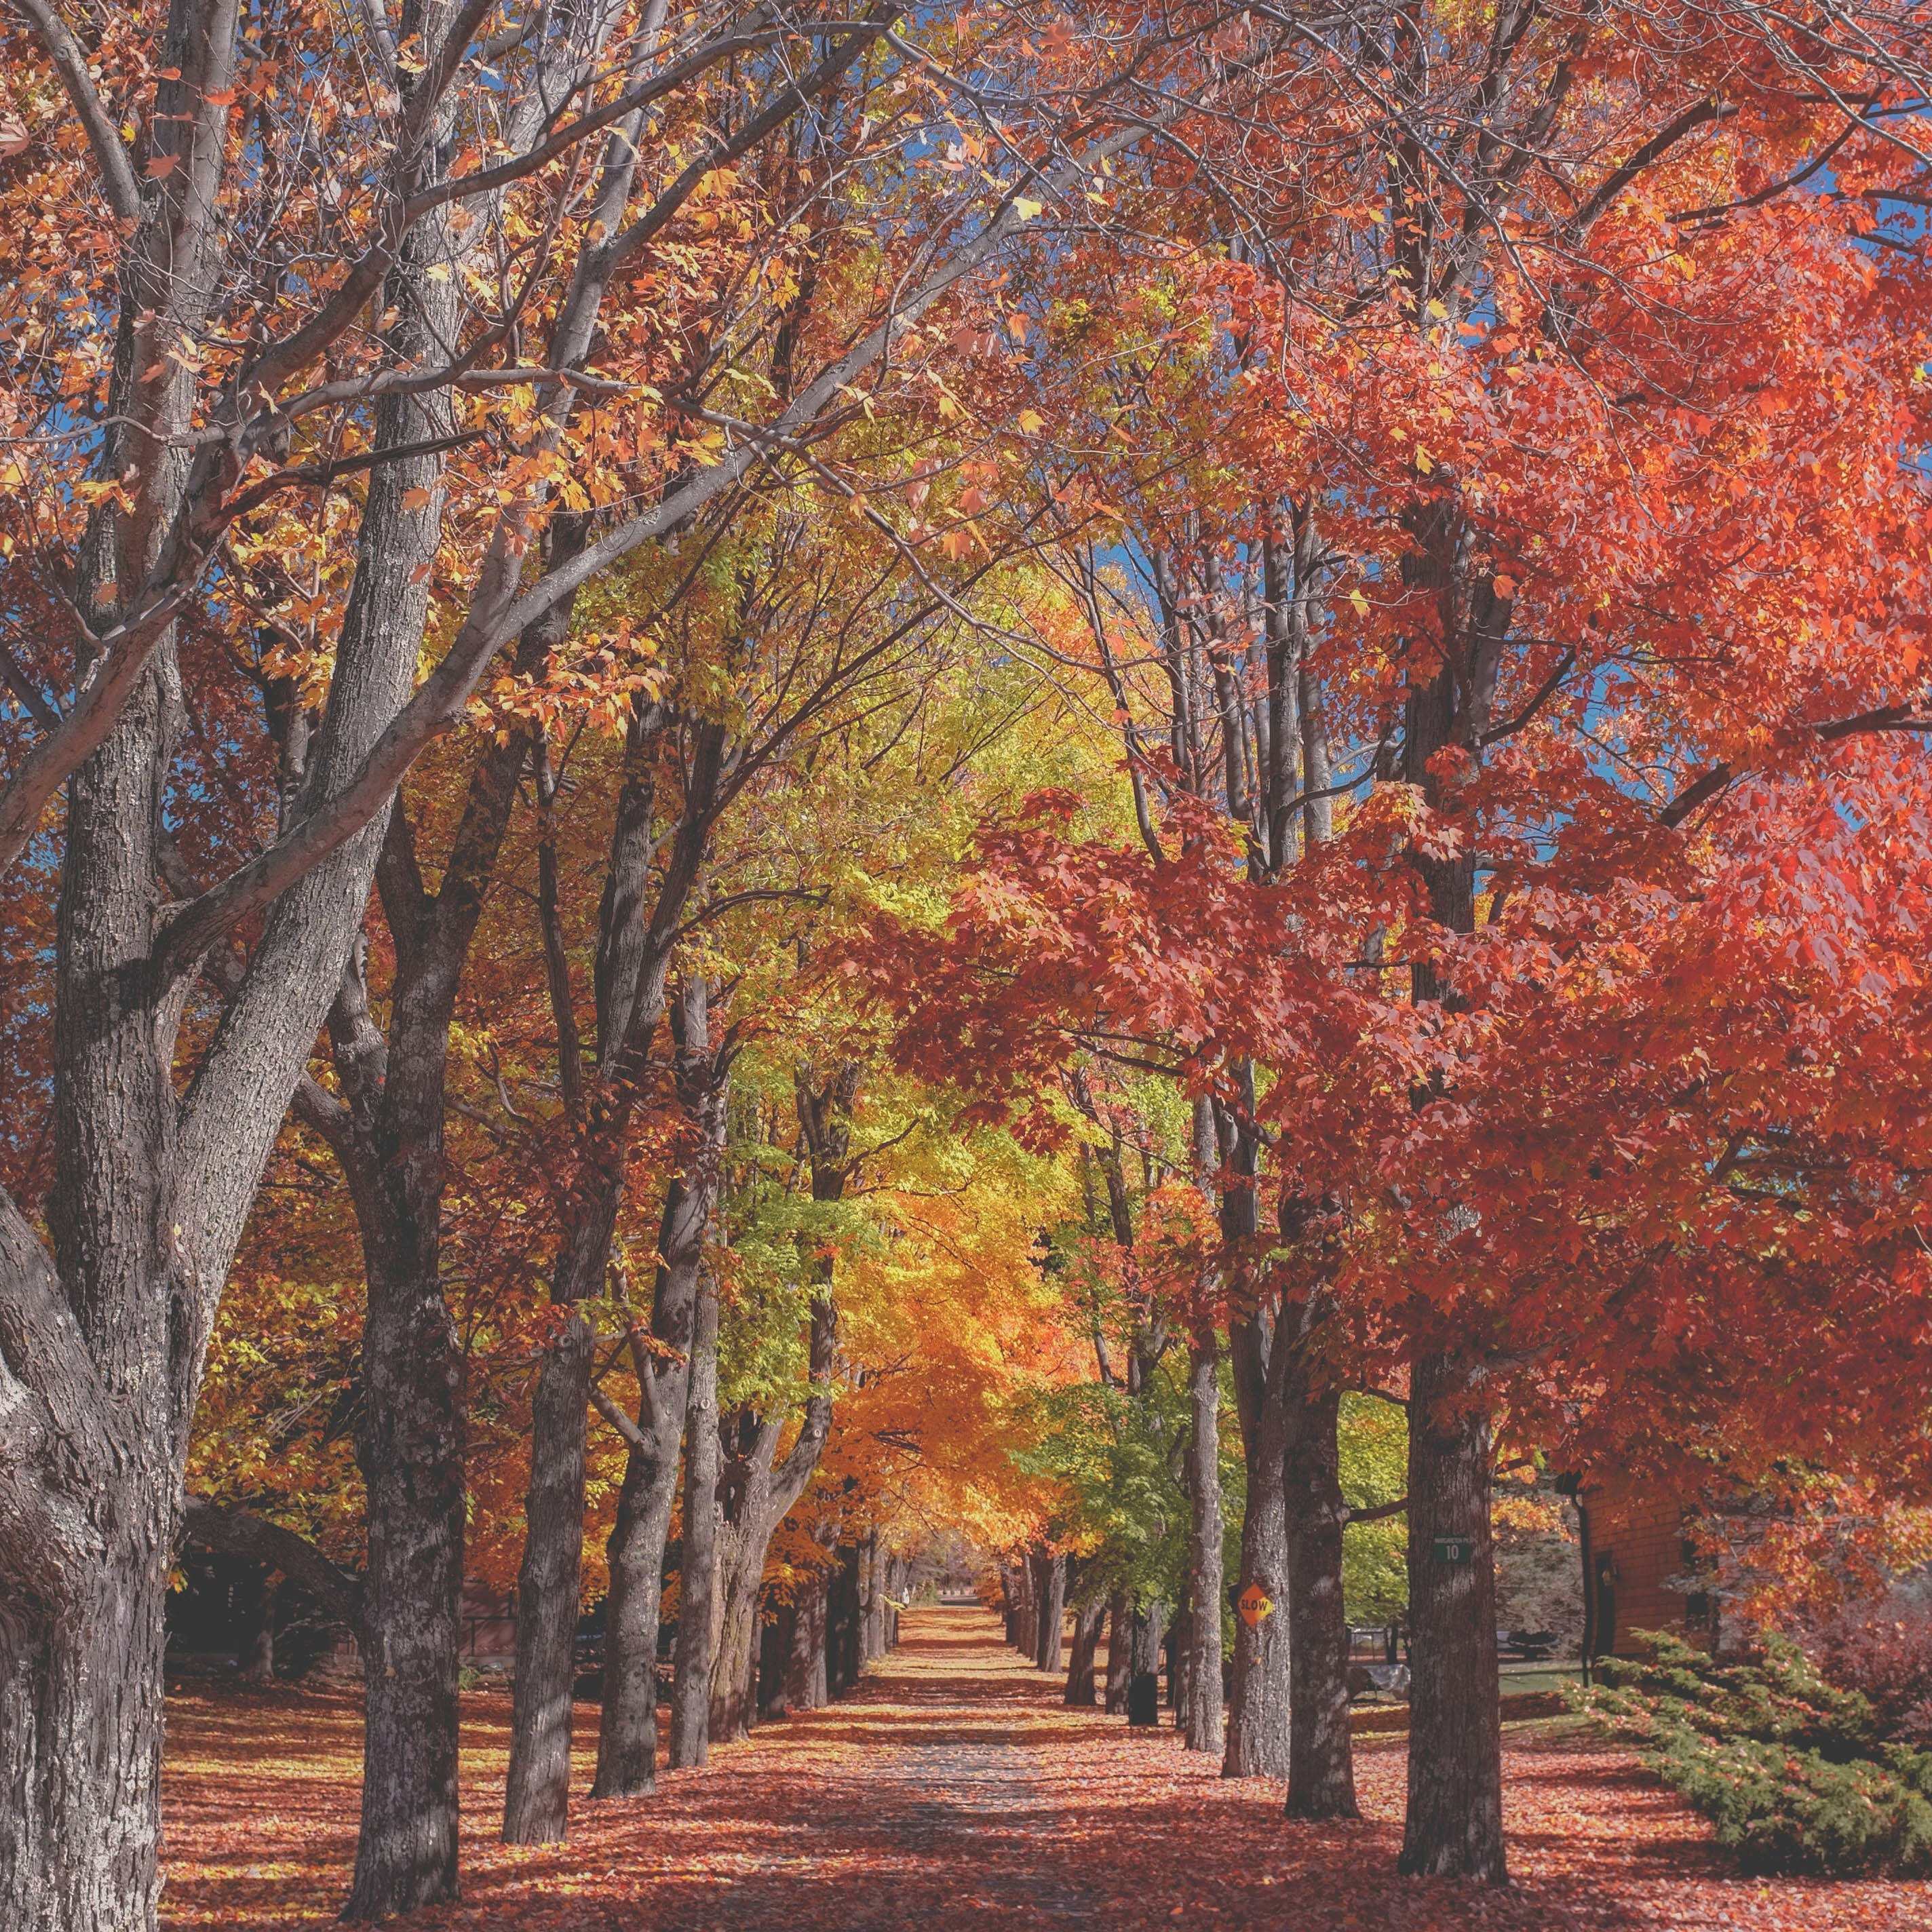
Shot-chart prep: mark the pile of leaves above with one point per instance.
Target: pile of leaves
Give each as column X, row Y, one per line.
column 1796, row 1774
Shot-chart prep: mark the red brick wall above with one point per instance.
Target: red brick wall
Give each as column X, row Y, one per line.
column 1642, row 1528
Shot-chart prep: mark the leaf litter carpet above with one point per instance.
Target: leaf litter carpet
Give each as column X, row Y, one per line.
column 953, row 1791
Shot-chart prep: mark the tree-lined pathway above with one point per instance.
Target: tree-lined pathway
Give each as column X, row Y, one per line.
column 953, row 1790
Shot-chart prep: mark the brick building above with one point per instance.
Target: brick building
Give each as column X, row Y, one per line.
column 1635, row 1554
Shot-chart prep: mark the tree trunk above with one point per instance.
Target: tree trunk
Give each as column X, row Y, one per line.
column 1202, row 1671
column 1050, row 1586
column 1321, row 1773
column 756, row 1495
column 1175, row 1646
column 261, row 1665
column 102, row 1343
column 1009, row 1602
column 757, row 1498
column 741, row 1571
column 628, row 1728
column 1119, row 1653
column 1258, row 1715
column 80, row 1730
column 1029, row 1631
column 1144, row 1681
column 1087, row 1621
column 775, row 1635
column 875, row 1598
column 804, row 1676
column 1454, row 1827
column 550, row 1583
column 842, row 1624
column 742, row 1538
column 410, row 1444
column 690, row 1687
column 731, row 1715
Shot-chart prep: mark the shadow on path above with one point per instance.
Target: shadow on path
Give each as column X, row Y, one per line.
column 954, row 1790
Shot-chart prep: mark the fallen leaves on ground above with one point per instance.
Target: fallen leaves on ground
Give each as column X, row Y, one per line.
column 953, row 1789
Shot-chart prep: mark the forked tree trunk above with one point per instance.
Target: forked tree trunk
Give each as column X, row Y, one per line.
column 102, row 1345
column 741, row 1562
column 690, row 1686
column 758, row 1497
column 636, row 936
column 627, row 1731
column 1087, row 1621
column 1454, row 1827
column 1322, row 1774
column 1050, row 1584
column 628, row 1728
column 1201, row 1700
column 1119, row 1653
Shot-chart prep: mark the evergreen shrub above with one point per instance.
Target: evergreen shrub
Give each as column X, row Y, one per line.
column 1797, row 1775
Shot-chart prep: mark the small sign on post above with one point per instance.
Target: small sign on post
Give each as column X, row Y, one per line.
column 1254, row 1603
column 1452, row 1548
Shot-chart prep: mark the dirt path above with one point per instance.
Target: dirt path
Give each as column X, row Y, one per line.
column 954, row 1791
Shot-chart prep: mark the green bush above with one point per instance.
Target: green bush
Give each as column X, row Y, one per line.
column 1797, row 1776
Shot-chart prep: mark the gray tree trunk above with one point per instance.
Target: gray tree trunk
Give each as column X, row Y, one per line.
column 549, row 1589
column 1087, row 1621
column 1454, row 1823
column 1454, row 1827
column 805, row 1678
column 1321, row 1774
column 1050, row 1588
column 1119, row 1653
column 1202, row 1697
column 690, row 1687
column 875, row 1598
column 627, row 1725
column 103, row 1331
column 1029, row 1599
column 758, row 1497
column 1257, row 1710
column 1144, row 1677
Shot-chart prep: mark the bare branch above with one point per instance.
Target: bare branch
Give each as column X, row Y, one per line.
column 614, row 1415
column 69, row 60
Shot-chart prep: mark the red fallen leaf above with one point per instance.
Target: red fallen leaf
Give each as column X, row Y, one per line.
column 953, row 1788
